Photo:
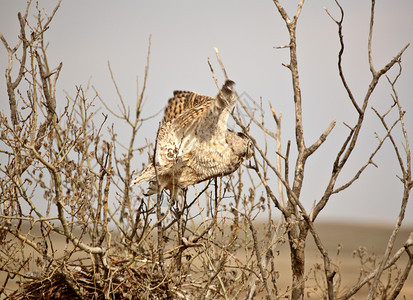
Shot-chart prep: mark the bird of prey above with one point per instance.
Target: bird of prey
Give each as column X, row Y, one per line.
column 193, row 142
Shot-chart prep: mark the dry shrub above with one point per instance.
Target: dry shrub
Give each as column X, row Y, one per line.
column 71, row 226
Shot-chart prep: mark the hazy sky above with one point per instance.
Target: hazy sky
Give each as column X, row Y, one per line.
column 86, row 34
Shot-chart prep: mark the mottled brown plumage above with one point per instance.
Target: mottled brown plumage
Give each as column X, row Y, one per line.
column 182, row 101
column 193, row 142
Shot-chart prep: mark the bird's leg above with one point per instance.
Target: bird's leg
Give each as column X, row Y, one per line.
column 178, row 214
column 174, row 193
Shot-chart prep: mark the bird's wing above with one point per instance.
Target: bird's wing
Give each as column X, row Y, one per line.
column 208, row 118
column 201, row 123
column 181, row 102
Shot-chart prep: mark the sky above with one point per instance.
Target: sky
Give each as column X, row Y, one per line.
column 85, row 35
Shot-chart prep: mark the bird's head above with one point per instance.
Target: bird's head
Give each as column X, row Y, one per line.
column 240, row 144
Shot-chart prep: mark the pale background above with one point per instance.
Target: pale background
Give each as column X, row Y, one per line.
column 86, row 34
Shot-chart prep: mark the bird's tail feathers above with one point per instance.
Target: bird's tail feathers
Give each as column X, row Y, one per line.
column 146, row 175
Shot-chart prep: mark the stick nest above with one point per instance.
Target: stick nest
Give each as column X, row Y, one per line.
column 78, row 282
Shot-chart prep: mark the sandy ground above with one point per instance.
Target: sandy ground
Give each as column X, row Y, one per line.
column 350, row 237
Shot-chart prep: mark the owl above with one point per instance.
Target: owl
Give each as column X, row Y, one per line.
column 193, row 143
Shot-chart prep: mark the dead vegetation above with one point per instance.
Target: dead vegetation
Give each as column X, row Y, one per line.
column 67, row 175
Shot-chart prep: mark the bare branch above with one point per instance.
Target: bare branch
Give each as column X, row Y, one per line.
column 260, row 264
column 321, row 139
column 373, row 2
column 340, row 56
column 60, row 207
column 407, row 175
column 406, row 271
